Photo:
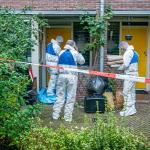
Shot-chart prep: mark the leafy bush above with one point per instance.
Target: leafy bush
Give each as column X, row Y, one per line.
column 15, row 43
column 105, row 134
column 97, row 27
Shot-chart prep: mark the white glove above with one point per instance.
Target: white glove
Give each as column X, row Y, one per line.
column 121, row 68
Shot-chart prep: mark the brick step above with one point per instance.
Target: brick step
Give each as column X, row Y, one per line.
column 143, row 101
column 143, row 98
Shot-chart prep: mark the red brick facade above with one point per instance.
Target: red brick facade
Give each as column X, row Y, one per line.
column 77, row 4
column 129, row 4
column 52, row 4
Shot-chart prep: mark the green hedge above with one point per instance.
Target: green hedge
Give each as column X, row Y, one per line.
column 15, row 43
column 105, row 134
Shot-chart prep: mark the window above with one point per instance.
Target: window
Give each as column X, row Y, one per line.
column 113, row 38
column 81, row 37
column 135, row 23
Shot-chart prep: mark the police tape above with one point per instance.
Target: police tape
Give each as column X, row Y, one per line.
column 90, row 72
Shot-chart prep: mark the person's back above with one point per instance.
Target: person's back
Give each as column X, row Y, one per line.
column 69, row 58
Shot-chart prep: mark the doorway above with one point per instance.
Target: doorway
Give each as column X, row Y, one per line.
column 140, row 43
column 65, row 32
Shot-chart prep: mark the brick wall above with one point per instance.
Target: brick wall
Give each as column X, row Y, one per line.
column 129, row 4
column 77, row 4
column 52, row 4
column 82, row 86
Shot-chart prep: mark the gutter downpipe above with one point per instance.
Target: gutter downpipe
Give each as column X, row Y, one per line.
column 101, row 50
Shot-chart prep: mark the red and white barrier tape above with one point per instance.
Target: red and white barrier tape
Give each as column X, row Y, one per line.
column 90, row 72
column 31, row 74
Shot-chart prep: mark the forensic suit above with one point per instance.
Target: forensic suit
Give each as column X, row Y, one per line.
column 52, row 51
column 67, row 82
column 130, row 66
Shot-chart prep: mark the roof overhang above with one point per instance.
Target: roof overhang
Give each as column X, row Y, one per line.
column 57, row 12
column 131, row 12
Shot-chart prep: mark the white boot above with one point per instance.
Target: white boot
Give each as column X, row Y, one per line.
column 128, row 111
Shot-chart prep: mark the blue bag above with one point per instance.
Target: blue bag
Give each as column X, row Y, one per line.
column 43, row 98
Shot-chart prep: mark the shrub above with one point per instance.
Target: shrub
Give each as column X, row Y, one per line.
column 105, row 134
column 15, row 43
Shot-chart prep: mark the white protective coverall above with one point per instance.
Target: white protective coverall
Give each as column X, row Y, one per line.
column 67, row 82
column 52, row 51
column 130, row 67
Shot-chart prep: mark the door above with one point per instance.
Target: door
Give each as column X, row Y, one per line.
column 140, row 43
column 65, row 32
column 52, row 32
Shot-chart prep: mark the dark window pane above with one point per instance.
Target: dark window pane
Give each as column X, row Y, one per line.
column 81, row 37
column 113, row 38
column 135, row 23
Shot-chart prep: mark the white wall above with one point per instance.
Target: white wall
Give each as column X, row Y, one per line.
column 43, row 58
column 35, row 53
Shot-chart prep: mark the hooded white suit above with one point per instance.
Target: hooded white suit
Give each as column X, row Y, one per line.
column 130, row 59
column 52, row 51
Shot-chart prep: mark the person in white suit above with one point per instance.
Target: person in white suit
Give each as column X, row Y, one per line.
column 67, row 81
column 130, row 67
column 52, row 51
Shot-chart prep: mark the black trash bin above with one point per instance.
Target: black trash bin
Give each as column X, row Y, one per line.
column 93, row 104
column 95, row 101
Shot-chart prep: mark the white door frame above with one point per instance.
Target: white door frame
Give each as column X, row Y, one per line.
column 43, row 58
column 148, row 57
